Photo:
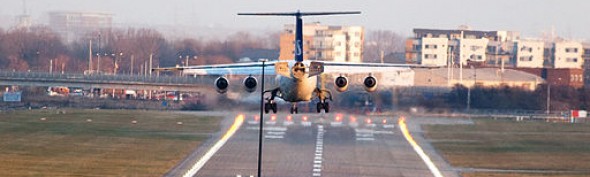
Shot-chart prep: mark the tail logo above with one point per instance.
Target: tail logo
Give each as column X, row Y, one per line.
column 298, row 49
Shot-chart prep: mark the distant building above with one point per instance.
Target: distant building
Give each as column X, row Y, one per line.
column 571, row 77
column 529, row 53
column 586, row 57
column 326, row 43
column 73, row 25
column 461, row 45
column 24, row 21
column 567, row 54
column 472, row 50
column 433, row 51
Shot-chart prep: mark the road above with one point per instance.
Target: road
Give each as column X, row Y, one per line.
column 316, row 145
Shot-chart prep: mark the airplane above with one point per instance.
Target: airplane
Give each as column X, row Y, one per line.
column 297, row 79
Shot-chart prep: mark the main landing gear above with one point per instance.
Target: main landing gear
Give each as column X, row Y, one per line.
column 270, row 103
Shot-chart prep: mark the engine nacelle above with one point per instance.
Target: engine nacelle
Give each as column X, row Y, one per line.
column 250, row 84
column 221, row 84
column 341, row 83
column 370, row 83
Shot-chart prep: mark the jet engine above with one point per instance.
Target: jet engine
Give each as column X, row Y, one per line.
column 221, row 84
column 370, row 84
column 250, row 84
column 341, row 83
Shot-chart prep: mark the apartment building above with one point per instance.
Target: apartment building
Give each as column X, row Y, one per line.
column 433, row 51
column 472, row 50
column 461, row 45
column 325, row 43
column 72, row 25
column 567, row 54
column 529, row 53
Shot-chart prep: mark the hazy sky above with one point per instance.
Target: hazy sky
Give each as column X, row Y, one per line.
column 530, row 17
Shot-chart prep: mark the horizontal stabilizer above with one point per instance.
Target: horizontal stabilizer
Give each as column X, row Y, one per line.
column 301, row 13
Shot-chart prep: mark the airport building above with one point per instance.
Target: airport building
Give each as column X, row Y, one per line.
column 73, row 25
column 325, row 43
column 443, row 79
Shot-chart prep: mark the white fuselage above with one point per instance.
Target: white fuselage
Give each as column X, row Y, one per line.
column 297, row 88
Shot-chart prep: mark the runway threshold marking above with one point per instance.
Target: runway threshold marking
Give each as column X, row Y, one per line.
column 403, row 127
column 230, row 132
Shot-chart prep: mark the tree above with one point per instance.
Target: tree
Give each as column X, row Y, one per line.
column 382, row 41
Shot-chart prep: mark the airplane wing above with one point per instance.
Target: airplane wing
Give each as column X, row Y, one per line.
column 251, row 68
column 359, row 68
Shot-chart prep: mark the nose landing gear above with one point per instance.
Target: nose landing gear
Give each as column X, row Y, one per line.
column 323, row 95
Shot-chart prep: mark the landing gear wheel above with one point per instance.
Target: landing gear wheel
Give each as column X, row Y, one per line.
column 267, row 107
column 273, row 106
column 294, row 110
column 326, row 107
column 320, row 106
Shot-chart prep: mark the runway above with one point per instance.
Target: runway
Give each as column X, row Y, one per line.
column 320, row 145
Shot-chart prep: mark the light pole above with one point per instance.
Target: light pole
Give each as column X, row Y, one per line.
column 115, row 57
column 186, row 57
column 261, row 122
column 474, row 84
column 548, row 111
column 98, row 56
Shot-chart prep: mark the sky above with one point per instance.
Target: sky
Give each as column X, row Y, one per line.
column 530, row 17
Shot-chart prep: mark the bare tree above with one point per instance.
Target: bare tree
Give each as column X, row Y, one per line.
column 382, row 41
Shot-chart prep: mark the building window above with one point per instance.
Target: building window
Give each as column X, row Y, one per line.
column 417, row 47
column 573, row 60
column 571, row 50
column 356, row 54
column 430, row 56
column 526, row 58
column 524, row 48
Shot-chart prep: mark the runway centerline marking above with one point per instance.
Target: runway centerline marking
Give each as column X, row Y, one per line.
column 230, row 132
column 317, row 166
column 433, row 169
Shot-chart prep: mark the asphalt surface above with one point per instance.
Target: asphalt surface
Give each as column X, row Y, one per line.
column 324, row 145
